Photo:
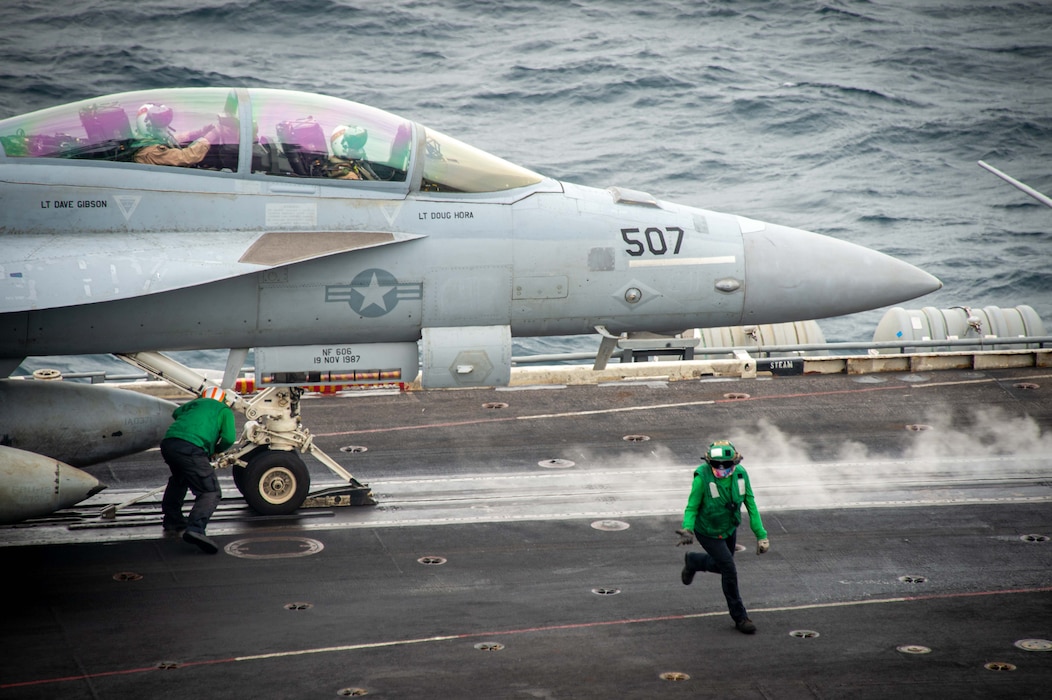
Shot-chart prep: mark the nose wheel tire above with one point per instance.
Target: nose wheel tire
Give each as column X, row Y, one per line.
column 275, row 482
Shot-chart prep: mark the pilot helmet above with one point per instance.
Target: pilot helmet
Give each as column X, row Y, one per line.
column 214, row 393
column 348, row 141
column 153, row 118
column 722, row 457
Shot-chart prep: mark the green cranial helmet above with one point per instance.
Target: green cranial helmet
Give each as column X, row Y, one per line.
column 722, row 453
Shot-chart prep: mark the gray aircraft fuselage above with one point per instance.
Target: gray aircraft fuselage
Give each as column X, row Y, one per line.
column 551, row 263
column 102, row 256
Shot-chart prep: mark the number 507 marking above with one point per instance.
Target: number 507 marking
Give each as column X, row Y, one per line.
column 652, row 239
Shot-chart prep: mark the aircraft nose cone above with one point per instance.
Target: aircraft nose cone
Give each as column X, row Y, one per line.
column 792, row 273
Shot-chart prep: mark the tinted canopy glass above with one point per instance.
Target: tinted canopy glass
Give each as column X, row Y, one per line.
column 292, row 134
column 453, row 166
column 298, row 134
column 118, row 127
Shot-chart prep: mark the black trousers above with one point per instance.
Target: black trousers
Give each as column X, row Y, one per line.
column 191, row 470
column 719, row 559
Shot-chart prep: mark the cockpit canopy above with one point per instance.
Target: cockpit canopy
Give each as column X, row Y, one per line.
column 259, row 132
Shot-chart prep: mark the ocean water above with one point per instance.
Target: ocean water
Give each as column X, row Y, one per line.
column 856, row 119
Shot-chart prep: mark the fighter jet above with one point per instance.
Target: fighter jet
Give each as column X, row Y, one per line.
column 342, row 243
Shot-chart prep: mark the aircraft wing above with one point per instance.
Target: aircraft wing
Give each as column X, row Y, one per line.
column 52, row 270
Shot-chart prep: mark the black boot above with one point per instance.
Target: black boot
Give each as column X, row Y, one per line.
column 203, row 541
column 687, row 575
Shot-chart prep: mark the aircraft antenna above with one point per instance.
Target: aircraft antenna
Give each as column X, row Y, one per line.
column 1017, row 184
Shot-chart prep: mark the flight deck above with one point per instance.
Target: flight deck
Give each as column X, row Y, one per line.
column 522, row 546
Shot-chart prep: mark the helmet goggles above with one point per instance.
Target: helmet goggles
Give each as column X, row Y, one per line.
column 722, row 469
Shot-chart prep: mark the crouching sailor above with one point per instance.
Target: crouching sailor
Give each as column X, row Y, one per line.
column 202, row 428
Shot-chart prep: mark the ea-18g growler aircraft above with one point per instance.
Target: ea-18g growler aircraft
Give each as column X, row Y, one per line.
column 343, row 243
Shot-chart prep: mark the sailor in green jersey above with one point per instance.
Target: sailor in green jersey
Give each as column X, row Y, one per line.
column 713, row 514
column 202, row 428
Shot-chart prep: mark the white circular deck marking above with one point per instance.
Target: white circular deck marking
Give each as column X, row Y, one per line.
column 273, row 547
column 610, row 525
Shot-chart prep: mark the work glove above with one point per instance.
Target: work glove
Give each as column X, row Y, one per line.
column 762, row 546
column 685, row 537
